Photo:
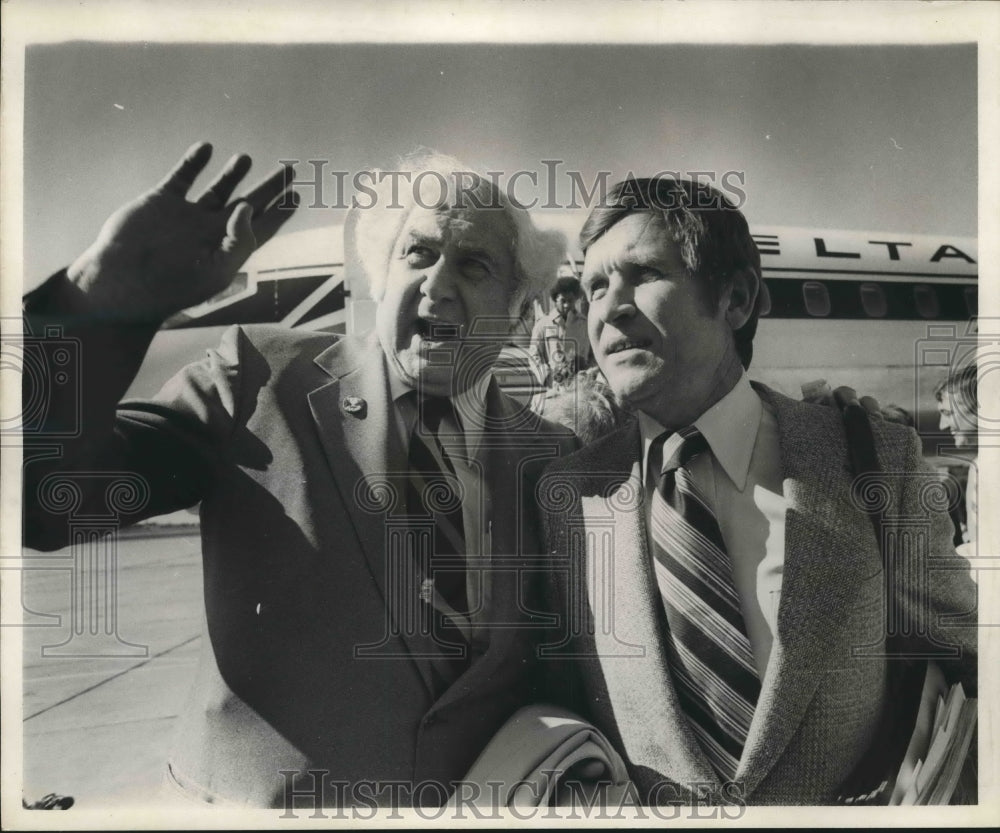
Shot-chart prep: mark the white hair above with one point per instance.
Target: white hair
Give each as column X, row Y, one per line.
column 537, row 252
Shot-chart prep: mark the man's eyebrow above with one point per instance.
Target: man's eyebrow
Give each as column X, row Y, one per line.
column 478, row 250
column 418, row 236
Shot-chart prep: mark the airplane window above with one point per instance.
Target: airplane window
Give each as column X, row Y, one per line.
column 927, row 301
column 873, row 300
column 765, row 298
column 972, row 300
column 817, row 298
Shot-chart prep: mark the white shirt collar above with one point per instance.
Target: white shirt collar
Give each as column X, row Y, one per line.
column 730, row 427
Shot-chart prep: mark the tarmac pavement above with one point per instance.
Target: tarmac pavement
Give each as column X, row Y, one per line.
column 98, row 708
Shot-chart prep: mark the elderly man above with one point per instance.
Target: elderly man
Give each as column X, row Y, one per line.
column 724, row 593
column 362, row 501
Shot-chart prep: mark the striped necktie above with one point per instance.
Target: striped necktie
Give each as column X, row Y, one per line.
column 708, row 650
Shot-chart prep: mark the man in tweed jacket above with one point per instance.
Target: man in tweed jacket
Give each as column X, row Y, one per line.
column 673, row 277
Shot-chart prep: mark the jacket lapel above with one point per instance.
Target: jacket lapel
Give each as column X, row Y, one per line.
column 624, row 603
column 823, row 561
column 365, row 455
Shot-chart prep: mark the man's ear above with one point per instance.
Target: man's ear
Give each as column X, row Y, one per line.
column 741, row 298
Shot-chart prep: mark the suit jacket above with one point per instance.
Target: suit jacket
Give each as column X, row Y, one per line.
column 307, row 660
column 823, row 691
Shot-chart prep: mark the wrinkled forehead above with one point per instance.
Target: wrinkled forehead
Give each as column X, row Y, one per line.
column 638, row 237
column 486, row 230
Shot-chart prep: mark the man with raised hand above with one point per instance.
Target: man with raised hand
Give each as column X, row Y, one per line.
column 362, row 501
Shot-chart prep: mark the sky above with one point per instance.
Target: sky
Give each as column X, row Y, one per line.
column 859, row 137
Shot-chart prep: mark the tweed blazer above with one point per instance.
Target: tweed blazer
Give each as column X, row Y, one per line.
column 823, row 690
column 307, row 662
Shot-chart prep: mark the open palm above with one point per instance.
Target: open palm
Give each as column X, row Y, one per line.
column 162, row 252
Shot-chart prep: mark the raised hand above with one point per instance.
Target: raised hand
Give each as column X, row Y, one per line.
column 162, row 253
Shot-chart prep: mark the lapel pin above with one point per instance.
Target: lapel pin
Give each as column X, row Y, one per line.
column 356, row 406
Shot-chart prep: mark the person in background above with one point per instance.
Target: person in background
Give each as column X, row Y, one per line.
column 559, row 340
column 899, row 414
column 958, row 406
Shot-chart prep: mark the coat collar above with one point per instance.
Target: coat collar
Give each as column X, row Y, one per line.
column 822, row 561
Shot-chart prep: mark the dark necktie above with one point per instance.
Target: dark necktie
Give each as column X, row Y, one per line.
column 434, row 489
column 710, row 657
